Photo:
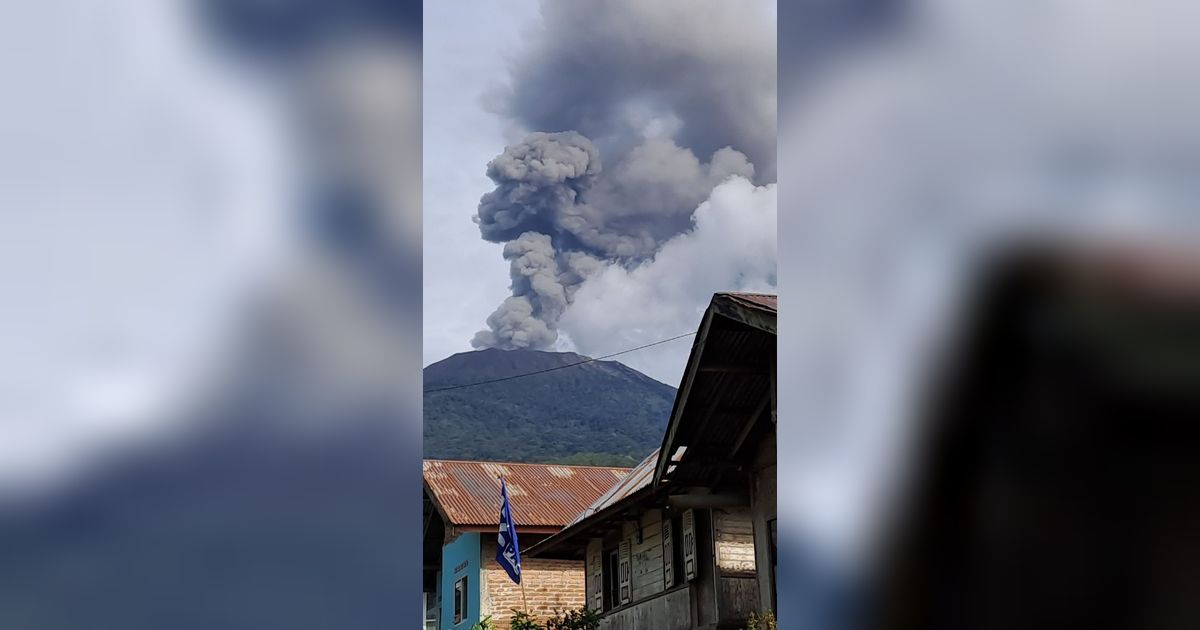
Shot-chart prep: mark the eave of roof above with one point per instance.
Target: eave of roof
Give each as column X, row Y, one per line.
column 757, row 310
column 636, row 485
column 590, row 522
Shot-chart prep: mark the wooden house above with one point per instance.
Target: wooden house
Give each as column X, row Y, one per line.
column 687, row 539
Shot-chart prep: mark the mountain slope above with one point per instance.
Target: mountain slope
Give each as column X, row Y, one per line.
column 601, row 412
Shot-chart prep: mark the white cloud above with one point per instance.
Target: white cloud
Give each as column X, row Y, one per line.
column 731, row 247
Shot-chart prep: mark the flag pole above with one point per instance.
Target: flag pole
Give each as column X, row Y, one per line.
column 524, row 600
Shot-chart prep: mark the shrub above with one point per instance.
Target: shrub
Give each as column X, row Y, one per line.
column 484, row 624
column 522, row 620
column 579, row 619
column 764, row 622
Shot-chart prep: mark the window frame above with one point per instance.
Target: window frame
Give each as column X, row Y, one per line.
column 432, row 602
column 460, row 599
column 677, row 569
column 610, row 577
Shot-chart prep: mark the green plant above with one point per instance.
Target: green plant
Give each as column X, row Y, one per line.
column 484, row 624
column 764, row 622
column 579, row 619
column 522, row 620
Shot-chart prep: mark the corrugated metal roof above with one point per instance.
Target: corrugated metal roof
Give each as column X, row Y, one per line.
column 637, row 479
column 765, row 300
column 543, row 495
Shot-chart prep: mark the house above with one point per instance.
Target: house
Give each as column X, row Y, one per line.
column 462, row 582
column 687, row 540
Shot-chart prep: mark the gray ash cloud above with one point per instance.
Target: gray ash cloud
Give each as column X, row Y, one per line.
column 638, row 113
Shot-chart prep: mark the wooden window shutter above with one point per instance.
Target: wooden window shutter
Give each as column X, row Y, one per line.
column 624, row 570
column 595, row 576
column 668, row 554
column 689, row 544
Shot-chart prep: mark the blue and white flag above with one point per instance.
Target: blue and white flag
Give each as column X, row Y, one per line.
column 508, row 554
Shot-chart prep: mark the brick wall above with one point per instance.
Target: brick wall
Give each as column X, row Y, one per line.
column 549, row 585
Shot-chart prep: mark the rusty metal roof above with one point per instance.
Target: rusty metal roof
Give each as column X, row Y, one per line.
column 638, row 478
column 767, row 301
column 540, row 495
column 636, row 484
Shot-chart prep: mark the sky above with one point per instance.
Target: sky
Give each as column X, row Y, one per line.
column 464, row 55
column 616, row 159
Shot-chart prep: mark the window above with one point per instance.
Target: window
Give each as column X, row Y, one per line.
column 677, row 550
column 431, row 611
column 612, row 579
column 460, row 599
column 672, row 550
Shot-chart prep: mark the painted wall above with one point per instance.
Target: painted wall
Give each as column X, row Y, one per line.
column 460, row 557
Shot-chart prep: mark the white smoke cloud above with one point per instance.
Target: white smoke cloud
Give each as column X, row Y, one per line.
column 560, row 213
column 731, row 247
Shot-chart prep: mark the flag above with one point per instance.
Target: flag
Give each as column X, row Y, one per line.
column 508, row 554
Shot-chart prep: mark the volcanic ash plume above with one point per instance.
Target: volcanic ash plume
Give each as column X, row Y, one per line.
column 562, row 217
column 543, row 283
column 675, row 95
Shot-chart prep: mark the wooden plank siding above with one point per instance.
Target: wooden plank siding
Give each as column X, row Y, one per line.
column 737, row 582
column 733, row 531
column 669, row 611
column 725, row 589
column 737, row 598
column 646, row 556
column 644, row 559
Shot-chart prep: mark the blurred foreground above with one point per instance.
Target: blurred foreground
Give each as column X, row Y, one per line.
column 211, row 252
column 1056, row 482
column 211, row 234
column 988, row 223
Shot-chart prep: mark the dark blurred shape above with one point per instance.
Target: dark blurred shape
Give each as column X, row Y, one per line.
column 816, row 32
column 282, row 30
column 1058, row 483
column 230, row 532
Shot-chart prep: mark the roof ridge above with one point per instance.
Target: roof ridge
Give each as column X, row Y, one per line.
column 774, row 295
column 500, row 463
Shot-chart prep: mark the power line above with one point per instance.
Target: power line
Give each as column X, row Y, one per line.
column 559, row 367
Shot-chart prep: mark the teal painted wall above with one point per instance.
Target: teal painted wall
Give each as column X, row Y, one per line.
column 459, row 558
